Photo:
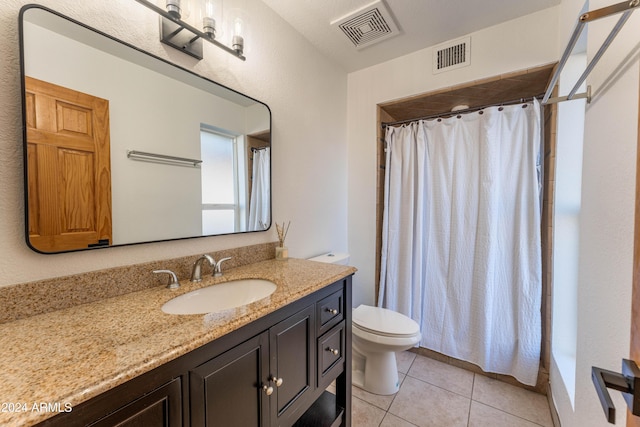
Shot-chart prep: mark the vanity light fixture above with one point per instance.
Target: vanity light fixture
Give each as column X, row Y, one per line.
column 177, row 33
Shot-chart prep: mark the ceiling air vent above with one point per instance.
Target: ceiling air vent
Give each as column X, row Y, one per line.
column 452, row 55
column 368, row 25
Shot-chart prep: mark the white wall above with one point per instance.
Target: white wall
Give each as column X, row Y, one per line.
column 607, row 215
column 306, row 95
column 531, row 41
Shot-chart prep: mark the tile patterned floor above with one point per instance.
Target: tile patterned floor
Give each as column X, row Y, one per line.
column 435, row 394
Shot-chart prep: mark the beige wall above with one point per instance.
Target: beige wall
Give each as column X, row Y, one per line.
column 282, row 70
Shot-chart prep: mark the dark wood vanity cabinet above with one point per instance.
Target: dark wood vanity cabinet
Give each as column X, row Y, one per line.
column 292, row 367
column 272, row 372
column 225, row 391
column 260, row 382
column 161, row 407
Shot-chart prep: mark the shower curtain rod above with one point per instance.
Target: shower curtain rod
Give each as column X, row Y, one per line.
column 466, row 110
column 254, row 149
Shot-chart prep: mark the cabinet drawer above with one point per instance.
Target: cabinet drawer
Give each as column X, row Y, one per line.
column 330, row 311
column 331, row 351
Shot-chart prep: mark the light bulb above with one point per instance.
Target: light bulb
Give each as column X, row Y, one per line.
column 210, row 8
column 210, row 17
column 238, row 27
column 237, row 42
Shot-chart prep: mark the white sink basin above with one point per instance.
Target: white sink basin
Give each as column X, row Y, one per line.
column 220, row 297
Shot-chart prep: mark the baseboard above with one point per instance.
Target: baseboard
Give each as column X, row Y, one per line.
column 552, row 407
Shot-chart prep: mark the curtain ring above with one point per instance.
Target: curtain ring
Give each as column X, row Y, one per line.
column 458, row 116
column 481, row 112
column 500, row 108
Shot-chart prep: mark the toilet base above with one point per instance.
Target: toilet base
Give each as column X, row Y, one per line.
column 376, row 373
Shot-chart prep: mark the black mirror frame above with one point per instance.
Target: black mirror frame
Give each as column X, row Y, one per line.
column 23, row 10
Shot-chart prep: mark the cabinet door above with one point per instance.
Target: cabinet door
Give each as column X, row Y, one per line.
column 292, row 350
column 227, row 390
column 160, row 408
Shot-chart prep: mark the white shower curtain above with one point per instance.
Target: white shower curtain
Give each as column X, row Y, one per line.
column 260, row 204
column 461, row 248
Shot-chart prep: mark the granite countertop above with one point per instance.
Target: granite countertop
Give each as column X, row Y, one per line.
column 63, row 358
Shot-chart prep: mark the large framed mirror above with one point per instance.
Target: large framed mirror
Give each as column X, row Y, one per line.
column 122, row 147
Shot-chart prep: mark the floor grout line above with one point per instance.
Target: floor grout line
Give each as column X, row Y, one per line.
column 469, row 398
column 473, row 384
column 509, row 413
column 440, row 387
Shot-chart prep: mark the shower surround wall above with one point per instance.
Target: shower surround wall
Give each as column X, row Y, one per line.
column 535, row 79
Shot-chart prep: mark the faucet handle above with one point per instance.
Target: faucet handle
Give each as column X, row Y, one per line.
column 173, row 280
column 217, row 270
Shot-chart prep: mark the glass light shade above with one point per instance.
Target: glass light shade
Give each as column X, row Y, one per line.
column 237, row 28
column 181, row 9
column 211, row 18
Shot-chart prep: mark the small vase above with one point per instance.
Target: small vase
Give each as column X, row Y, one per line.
column 282, row 253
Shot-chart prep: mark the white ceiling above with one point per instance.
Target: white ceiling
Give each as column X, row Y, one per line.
column 422, row 23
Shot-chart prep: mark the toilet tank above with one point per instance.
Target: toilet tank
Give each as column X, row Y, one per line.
column 332, row 258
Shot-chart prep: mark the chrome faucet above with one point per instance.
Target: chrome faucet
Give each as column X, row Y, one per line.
column 196, row 272
column 217, row 268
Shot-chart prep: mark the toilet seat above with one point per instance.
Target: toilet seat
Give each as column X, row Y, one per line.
column 382, row 322
column 382, row 340
column 381, row 334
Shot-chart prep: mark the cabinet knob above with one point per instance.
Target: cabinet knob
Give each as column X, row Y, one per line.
column 267, row 390
column 335, row 351
column 332, row 311
column 278, row 381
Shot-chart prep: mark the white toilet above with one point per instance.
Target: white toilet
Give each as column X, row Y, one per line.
column 377, row 334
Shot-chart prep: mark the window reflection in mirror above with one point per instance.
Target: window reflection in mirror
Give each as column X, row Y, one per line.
column 155, row 107
column 223, row 196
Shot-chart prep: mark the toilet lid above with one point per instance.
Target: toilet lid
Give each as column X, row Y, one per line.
column 384, row 322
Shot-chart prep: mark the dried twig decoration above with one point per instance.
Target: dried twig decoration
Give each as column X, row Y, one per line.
column 282, row 232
